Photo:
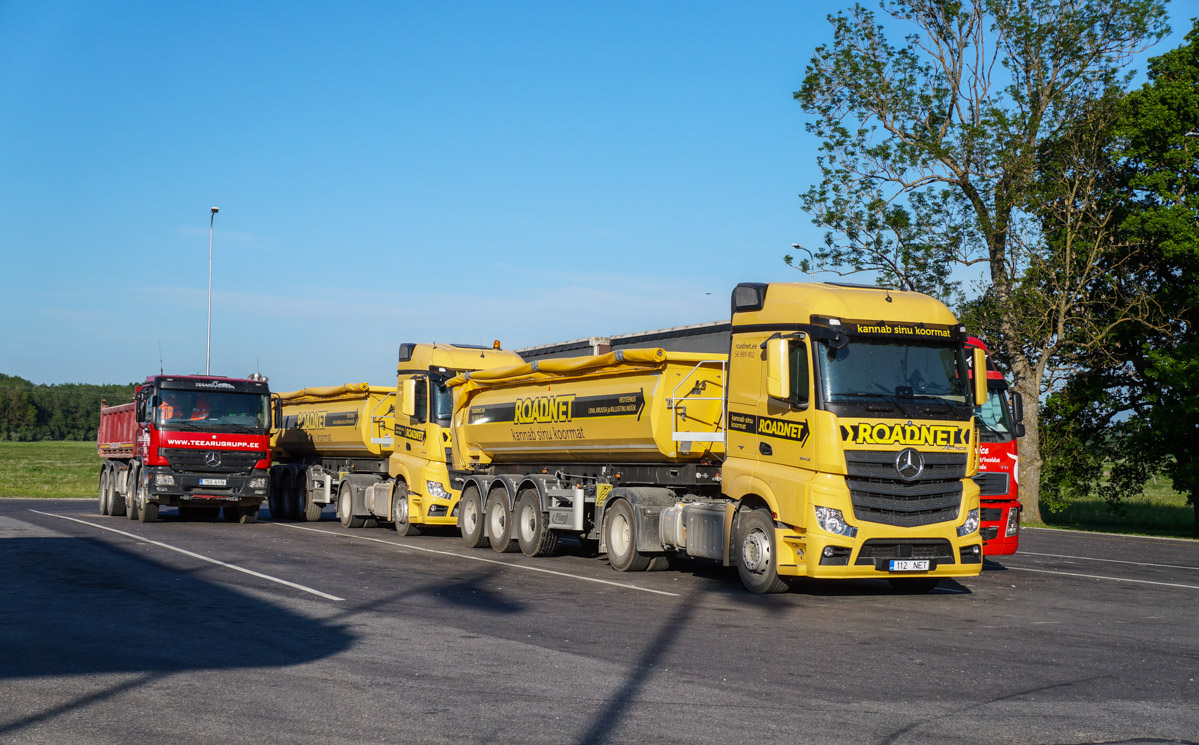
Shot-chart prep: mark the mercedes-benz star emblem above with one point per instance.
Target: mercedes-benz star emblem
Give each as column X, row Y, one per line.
column 909, row 464
column 213, row 459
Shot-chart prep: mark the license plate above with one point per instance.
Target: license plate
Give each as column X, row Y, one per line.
column 212, row 482
column 909, row 565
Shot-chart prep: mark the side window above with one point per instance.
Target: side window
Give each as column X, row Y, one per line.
column 800, row 377
column 422, row 400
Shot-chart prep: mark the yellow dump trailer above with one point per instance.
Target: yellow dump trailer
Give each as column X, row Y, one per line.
column 377, row 452
column 836, row 440
column 322, row 435
column 348, row 420
column 646, row 405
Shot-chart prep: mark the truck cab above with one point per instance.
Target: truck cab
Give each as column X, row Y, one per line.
column 421, row 451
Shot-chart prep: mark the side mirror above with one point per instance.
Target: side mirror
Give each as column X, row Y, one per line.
column 778, row 374
column 979, row 378
column 1018, row 413
column 277, row 413
column 408, row 398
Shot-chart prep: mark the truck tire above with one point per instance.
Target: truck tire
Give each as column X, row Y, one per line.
column 116, row 502
column 499, row 523
column 470, row 517
column 345, row 507
column 131, row 493
column 399, row 511
column 620, row 538
column 104, row 490
column 312, row 509
column 532, row 530
column 294, row 498
column 274, row 499
column 148, row 512
column 757, row 560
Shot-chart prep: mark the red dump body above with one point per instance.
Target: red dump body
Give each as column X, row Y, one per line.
column 116, row 434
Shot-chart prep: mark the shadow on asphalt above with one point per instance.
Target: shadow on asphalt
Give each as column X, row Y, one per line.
column 79, row 606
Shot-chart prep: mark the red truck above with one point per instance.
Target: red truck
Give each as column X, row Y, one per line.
column 1000, row 422
column 199, row 443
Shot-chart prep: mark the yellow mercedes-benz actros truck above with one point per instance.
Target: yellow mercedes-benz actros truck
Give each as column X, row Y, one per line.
column 353, row 446
column 836, row 440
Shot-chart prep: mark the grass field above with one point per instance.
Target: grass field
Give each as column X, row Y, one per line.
column 1158, row 511
column 72, row 469
column 49, row 469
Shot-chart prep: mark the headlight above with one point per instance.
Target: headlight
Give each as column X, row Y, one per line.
column 164, row 479
column 436, row 490
column 258, row 482
column 834, row 522
column 970, row 525
column 1013, row 522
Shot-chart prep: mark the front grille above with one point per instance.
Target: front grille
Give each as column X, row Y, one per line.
column 992, row 484
column 886, row 549
column 194, row 461
column 991, row 533
column 990, row 514
column 880, row 496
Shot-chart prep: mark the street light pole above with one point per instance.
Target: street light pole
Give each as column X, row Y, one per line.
column 208, row 346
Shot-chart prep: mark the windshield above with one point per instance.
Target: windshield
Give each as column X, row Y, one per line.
column 994, row 417
column 179, row 409
column 901, row 378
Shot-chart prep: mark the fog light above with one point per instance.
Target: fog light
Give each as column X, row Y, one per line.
column 259, row 482
column 164, row 479
column 436, row 490
column 1013, row 522
column 970, row 525
column 833, row 521
column 828, row 551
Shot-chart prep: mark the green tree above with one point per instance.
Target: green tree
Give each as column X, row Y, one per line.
column 1136, row 404
column 978, row 142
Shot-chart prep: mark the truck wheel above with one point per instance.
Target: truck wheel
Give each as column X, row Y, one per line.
column 914, row 585
column 399, row 511
column 274, row 492
column 312, row 508
column 345, row 508
column 116, row 502
column 757, row 561
column 293, row 500
column 499, row 523
column 148, row 512
column 131, row 493
column 104, row 490
column 620, row 537
column 532, row 531
column 470, row 520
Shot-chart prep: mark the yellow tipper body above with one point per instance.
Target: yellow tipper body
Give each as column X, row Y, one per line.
column 353, row 420
column 637, row 406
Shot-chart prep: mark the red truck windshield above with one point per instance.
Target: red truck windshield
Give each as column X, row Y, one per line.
column 995, row 418
column 182, row 409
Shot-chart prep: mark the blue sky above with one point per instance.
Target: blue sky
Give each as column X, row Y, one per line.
column 387, row 172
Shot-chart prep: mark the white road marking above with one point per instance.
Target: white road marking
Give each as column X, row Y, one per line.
column 193, row 555
column 1110, row 579
column 1111, row 561
column 479, row 558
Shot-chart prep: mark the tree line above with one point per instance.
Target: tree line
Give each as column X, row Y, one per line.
column 67, row 411
column 1006, row 139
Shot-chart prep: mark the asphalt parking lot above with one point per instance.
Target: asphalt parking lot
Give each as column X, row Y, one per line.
column 113, row 631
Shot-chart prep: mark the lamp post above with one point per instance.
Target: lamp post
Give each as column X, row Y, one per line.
column 811, row 258
column 208, row 345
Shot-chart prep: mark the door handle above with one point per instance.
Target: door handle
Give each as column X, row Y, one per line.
column 764, row 448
